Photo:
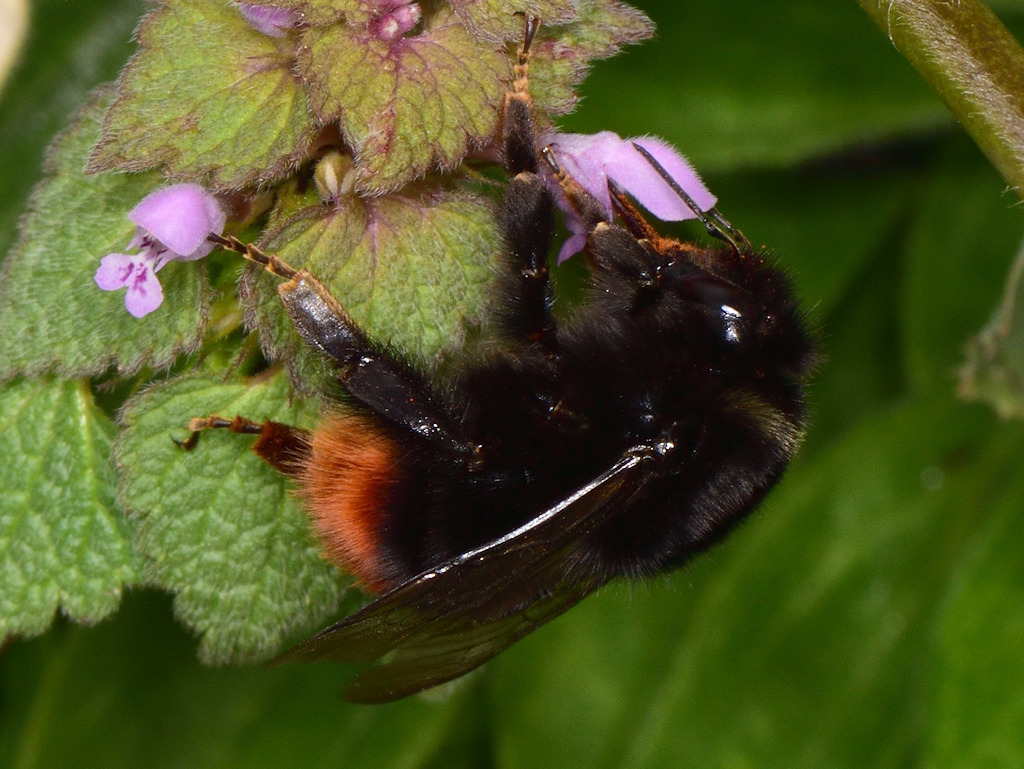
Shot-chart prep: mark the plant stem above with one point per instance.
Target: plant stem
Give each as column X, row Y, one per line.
column 975, row 65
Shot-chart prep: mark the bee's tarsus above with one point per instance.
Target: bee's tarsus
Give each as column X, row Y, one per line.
column 549, row 158
column 270, row 262
column 532, row 25
column 198, row 425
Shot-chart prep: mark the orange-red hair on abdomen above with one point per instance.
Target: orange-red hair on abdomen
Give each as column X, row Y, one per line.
column 345, row 485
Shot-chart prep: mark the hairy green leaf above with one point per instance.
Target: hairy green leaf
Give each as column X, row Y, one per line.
column 63, row 543
column 562, row 55
column 225, row 114
column 217, row 525
column 53, row 315
column 316, row 12
column 413, row 270
column 406, row 105
column 494, row 19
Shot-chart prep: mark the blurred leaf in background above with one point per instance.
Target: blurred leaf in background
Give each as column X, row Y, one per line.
column 870, row 614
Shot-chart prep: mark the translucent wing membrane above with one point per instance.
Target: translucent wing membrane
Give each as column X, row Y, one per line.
column 450, row 620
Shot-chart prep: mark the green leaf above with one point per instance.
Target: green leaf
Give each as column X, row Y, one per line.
column 409, row 105
column 226, row 116
column 993, row 371
column 871, row 620
column 413, row 271
column 958, row 252
column 53, row 315
column 562, row 55
column 977, row 713
column 493, row 19
column 130, row 694
column 217, row 525
column 63, row 543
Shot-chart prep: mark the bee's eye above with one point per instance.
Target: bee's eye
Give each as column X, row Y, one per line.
column 732, row 320
column 733, row 306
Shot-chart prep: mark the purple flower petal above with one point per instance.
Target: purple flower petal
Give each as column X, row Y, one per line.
column 267, row 20
column 115, row 271
column 180, row 217
column 573, row 244
column 593, row 159
column 137, row 274
column 583, row 156
column 171, row 224
column 145, row 293
column 631, row 171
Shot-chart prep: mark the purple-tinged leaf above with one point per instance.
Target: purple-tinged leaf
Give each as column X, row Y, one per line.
column 562, row 54
column 227, row 116
column 407, row 105
column 498, row 21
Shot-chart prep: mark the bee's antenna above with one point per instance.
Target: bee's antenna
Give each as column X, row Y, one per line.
column 716, row 224
column 272, row 264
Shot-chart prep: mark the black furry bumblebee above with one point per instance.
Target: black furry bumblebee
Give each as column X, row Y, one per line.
column 484, row 501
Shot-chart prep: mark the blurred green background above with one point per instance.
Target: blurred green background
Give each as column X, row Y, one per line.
column 870, row 614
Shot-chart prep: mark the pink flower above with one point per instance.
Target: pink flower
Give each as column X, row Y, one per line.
column 172, row 224
column 268, row 20
column 397, row 18
column 594, row 159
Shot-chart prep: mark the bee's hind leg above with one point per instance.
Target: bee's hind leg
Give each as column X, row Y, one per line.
column 283, row 447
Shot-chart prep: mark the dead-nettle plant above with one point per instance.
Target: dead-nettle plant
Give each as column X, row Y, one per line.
column 353, row 138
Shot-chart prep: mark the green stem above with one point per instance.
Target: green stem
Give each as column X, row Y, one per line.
column 973, row 62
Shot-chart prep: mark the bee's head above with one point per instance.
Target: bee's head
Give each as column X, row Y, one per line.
column 743, row 307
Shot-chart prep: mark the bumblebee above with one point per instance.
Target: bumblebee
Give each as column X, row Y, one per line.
column 481, row 501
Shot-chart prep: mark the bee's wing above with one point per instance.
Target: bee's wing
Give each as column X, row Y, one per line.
column 449, row 620
column 429, row 659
